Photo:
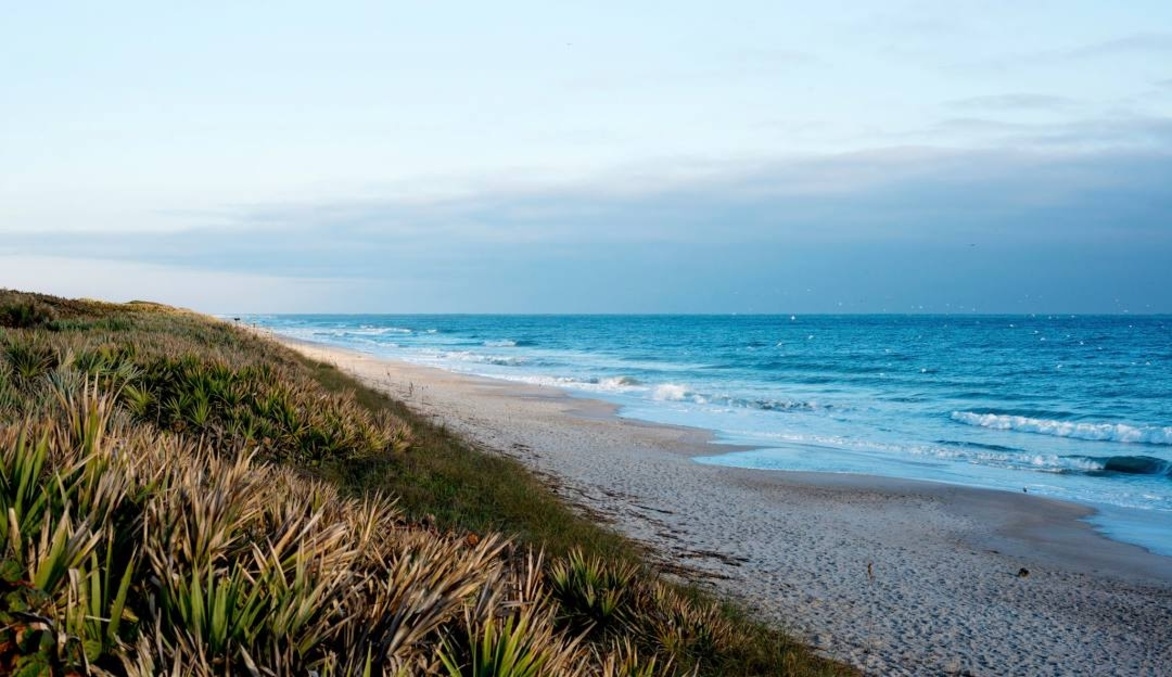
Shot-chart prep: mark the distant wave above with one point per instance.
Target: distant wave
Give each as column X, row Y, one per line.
column 618, row 382
column 779, row 405
column 673, row 392
column 1130, row 465
column 347, row 332
column 1007, row 457
column 498, row 360
column 371, row 330
column 609, row 384
column 1104, row 432
column 979, row 445
column 505, row 343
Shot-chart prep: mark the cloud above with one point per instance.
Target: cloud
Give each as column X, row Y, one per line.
column 749, row 63
column 1139, row 133
column 896, row 195
column 865, row 228
column 1138, row 43
column 774, row 58
column 980, row 127
column 1015, row 102
column 1153, row 44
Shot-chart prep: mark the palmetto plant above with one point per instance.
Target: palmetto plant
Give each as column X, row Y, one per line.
column 690, row 631
column 23, row 500
column 213, row 611
column 593, row 593
column 29, row 359
column 106, row 363
column 138, row 401
column 523, row 643
column 98, row 594
column 625, row 660
column 512, row 631
column 60, row 497
column 8, row 395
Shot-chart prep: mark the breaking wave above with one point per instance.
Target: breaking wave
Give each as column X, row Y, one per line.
column 506, row 343
column 1104, row 432
column 1130, row 465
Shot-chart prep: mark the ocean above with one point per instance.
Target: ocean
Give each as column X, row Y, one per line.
column 1071, row 407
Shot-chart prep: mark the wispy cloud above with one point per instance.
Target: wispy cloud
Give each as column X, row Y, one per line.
column 978, row 126
column 749, row 63
column 1138, row 43
column 773, row 58
column 1015, row 101
column 1152, row 44
column 1124, row 130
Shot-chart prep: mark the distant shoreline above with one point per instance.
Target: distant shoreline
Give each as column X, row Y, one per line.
column 895, row 576
column 1068, row 409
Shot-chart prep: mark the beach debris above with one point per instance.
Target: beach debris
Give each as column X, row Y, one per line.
column 1023, row 572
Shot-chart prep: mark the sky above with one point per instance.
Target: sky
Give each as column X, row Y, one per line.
column 627, row 157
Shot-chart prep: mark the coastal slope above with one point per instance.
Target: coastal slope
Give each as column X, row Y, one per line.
column 185, row 498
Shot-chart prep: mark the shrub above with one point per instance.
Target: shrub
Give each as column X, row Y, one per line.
column 26, row 313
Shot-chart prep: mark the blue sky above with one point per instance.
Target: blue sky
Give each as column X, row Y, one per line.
column 615, row 157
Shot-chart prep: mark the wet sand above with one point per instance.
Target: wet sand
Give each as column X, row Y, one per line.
column 897, row 577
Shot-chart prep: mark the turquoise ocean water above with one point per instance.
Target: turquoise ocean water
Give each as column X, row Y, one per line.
column 1077, row 408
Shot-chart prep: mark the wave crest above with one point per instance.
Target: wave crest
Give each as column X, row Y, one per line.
column 1100, row 432
column 1136, row 465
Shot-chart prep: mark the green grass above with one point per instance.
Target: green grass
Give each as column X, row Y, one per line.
column 182, row 496
column 462, row 488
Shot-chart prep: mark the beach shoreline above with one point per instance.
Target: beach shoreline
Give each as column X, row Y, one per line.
column 894, row 576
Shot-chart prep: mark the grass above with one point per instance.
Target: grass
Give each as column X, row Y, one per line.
column 449, row 481
column 179, row 496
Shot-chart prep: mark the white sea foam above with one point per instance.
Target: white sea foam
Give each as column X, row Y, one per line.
column 618, row 383
column 500, row 343
column 1052, row 463
column 1008, row 459
column 671, row 392
column 498, row 360
column 370, row 330
column 1107, row 432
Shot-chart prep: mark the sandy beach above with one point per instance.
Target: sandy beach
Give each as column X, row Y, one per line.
column 896, row 577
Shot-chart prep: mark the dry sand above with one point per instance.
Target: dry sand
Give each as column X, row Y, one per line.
column 896, row 577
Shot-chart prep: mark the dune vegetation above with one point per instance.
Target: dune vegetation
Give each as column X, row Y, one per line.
column 180, row 496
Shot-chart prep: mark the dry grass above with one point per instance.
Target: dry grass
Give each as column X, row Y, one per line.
column 179, row 497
